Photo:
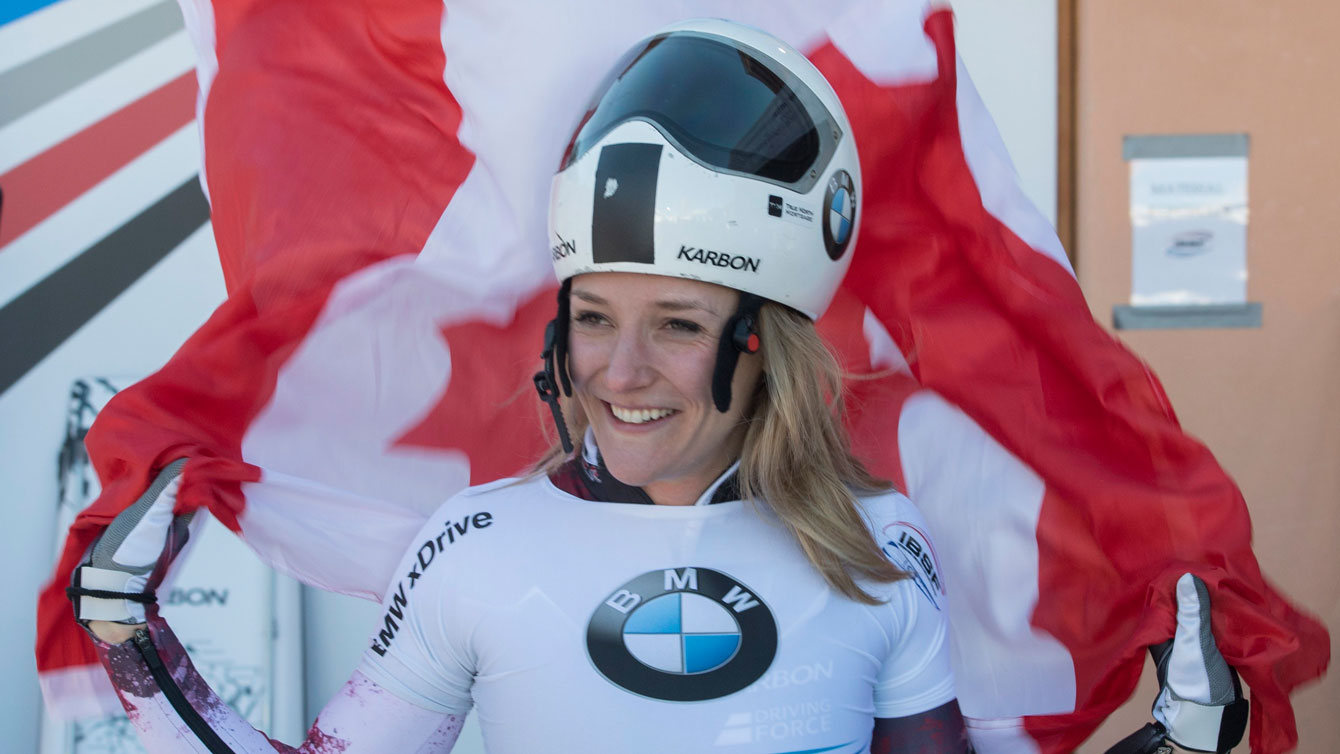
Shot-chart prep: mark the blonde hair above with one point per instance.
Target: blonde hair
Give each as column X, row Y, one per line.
column 796, row 455
column 798, row 458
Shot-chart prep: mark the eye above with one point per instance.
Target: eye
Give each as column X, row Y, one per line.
column 684, row 325
column 589, row 318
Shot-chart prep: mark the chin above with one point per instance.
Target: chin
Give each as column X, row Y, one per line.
column 630, row 471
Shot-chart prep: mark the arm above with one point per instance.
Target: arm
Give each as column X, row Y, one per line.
column 936, row 731
column 170, row 704
column 916, row 709
column 174, row 710
column 1200, row 706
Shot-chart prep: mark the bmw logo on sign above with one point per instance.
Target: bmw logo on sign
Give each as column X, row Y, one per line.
column 839, row 213
column 682, row 635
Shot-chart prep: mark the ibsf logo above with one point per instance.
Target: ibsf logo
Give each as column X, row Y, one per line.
column 682, row 635
column 910, row 549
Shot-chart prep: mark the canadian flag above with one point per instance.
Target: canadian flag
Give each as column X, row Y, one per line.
column 378, row 174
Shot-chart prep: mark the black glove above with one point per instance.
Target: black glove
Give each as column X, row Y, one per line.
column 128, row 561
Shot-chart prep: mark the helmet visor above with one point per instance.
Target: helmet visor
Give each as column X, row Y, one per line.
column 722, row 103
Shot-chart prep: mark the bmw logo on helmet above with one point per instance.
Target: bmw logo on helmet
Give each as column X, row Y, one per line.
column 682, row 635
column 839, row 213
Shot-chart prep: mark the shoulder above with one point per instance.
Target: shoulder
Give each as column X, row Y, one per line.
column 902, row 533
column 879, row 507
column 891, row 512
column 497, row 507
column 509, row 491
column 500, row 488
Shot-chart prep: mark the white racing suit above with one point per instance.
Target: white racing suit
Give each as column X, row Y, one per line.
column 572, row 623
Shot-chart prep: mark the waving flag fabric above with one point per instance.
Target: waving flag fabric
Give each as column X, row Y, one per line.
column 377, row 175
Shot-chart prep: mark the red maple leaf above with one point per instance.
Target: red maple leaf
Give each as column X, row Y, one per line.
column 489, row 410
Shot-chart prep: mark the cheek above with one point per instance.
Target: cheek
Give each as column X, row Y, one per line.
column 691, row 373
column 584, row 358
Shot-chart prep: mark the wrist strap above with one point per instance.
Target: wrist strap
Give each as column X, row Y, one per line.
column 144, row 598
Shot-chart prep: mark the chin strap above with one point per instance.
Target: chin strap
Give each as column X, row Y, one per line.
column 555, row 359
column 740, row 336
column 560, row 345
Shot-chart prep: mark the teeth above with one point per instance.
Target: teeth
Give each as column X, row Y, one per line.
column 639, row 415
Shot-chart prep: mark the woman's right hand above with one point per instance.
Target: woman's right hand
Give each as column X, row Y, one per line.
column 113, row 633
column 113, row 591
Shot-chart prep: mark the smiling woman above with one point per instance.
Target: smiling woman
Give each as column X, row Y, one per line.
column 712, row 535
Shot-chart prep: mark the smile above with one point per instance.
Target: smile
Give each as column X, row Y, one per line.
column 639, row 415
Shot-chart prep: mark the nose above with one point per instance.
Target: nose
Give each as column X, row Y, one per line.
column 629, row 365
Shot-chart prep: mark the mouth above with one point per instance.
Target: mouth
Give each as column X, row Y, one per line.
column 640, row 416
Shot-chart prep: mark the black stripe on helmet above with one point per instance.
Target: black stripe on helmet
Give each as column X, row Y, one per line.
column 623, row 209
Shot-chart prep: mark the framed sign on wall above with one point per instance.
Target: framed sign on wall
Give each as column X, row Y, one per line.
column 1188, row 210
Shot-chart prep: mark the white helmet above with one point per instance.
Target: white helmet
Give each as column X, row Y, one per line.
column 715, row 152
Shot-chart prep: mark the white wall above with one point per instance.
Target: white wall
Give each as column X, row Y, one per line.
column 1010, row 51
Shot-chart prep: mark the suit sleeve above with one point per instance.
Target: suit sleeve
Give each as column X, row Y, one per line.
column 419, row 649
column 174, row 710
column 916, row 675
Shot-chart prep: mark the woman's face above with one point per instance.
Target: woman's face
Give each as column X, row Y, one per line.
column 642, row 349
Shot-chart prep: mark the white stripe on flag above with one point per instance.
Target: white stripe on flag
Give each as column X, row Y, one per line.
column 79, row 692
column 308, row 531
column 1002, row 193
column 884, row 353
column 1001, row 736
column 198, row 16
column 888, row 45
column 982, row 504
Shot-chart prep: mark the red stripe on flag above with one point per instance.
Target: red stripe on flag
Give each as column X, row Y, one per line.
column 36, row 189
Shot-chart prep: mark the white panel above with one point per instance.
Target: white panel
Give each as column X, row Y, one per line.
column 289, row 722
column 57, row 24
column 1010, row 50
column 131, row 336
column 884, row 353
column 95, row 99
column 336, row 633
column 99, row 211
column 908, row 58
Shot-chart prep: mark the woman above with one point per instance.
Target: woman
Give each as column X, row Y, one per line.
column 711, row 568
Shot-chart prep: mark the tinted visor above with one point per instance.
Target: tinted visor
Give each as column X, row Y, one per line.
column 723, row 104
